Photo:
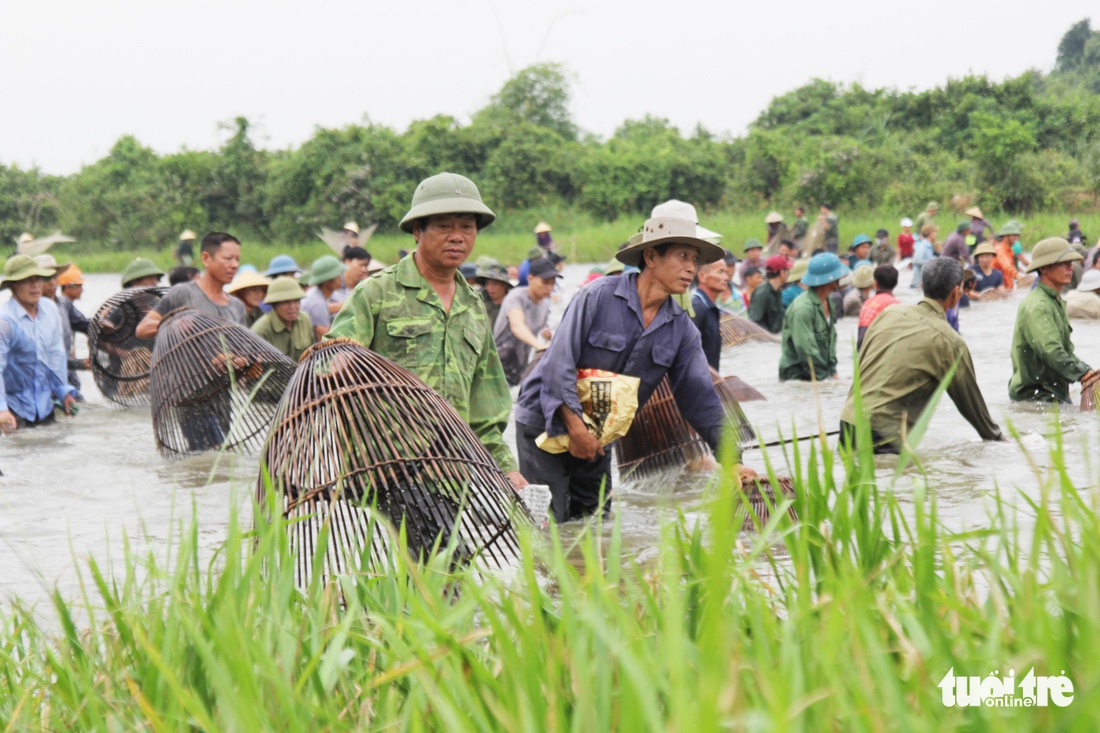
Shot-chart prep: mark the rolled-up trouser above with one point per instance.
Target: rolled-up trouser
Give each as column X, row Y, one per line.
column 575, row 484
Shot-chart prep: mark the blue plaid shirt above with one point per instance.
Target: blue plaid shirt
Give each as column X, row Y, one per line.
column 32, row 360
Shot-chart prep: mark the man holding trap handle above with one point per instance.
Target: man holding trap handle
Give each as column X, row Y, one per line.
column 616, row 333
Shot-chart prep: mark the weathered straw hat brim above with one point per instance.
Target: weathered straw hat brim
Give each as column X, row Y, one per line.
column 632, row 255
column 248, row 280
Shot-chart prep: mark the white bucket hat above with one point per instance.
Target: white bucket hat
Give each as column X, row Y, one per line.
column 674, row 209
column 669, row 230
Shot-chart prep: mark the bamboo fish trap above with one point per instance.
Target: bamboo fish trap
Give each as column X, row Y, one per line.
column 119, row 359
column 213, row 385
column 761, row 498
column 357, row 433
column 660, row 438
column 736, row 331
column 1090, row 391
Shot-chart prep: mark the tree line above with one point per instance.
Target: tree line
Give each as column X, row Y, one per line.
column 1025, row 144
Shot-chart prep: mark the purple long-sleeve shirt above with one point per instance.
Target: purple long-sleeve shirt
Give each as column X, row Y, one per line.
column 602, row 329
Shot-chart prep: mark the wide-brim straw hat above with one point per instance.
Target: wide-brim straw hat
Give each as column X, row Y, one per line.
column 20, row 267
column 138, row 269
column 247, row 279
column 1089, row 281
column 542, row 227
column 351, row 226
column 824, row 269
column 49, row 263
column 985, row 248
column 676, row 209
column 974, row 212
column 187, row 234
column 773, row 217
column 660, row 231
column 324, row 269
column 283, row 289
column 447, row 193
column 1052, row 251
column 864, row 277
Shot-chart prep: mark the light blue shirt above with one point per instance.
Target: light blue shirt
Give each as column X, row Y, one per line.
column 922, row 253
column 32, row 360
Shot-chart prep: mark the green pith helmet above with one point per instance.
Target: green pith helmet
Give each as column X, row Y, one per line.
column 138, row 269
column 283, row 289
column 494, row 271
column 447, row 193
column 1012, row 227
column 324, row 269
column 1052, row 251
column 932, row 206
column 798, row 270
column 20, row 267
column 613, row 267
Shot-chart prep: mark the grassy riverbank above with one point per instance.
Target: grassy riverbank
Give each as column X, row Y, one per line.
column 846, row 621
column 582, row 237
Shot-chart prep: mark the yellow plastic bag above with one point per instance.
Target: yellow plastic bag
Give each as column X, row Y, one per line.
column 609, row 402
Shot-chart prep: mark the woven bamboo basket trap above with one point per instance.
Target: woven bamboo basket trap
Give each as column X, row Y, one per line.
column 213, row 385
column 119, row 359
column 736, row 331
column 761, row 499
column 660, row 438
column 357, row 434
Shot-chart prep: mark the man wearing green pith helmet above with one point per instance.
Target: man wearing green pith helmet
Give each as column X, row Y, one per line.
column 423, row 315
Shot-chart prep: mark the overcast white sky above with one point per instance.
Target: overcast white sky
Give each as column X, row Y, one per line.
column 76, row 75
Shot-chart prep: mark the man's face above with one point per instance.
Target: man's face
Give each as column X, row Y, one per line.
column 73, row 292
column 222, row 265
column 754, row 280
column 786, row 251
column 252, row 297
column 287, row 311
column 754, row 255
column 49, row 287
column 984, row 261
column 144, row 282
column 1059, row 275
column 714, row 277
column 863, row 250
column 27, row 291
column 356, row 272
column 496, row 290
column 539, row 288
column 675, row 269
column 446, row 240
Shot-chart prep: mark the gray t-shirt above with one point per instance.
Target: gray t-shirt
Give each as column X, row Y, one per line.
column 316, row 307
column 514, row 354
column 190, row 295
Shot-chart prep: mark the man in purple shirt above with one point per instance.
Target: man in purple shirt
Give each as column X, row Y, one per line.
column 954, row 247
column 628, row 325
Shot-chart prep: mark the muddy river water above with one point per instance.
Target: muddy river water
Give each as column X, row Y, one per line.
column 75, row 489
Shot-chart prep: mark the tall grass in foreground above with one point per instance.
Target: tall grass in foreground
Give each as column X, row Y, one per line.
column 846, row 621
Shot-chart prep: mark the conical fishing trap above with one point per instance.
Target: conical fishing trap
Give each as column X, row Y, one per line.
column 213, row 385
column 120, row 361
column 357, row 433
column 736, row 331
column 660, row 438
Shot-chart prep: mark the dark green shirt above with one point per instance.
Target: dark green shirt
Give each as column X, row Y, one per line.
column 293, row 341
column 809, row 338
column 906, row 353
column 1043, row 363
column 397, row 314
column 766, row 307
column 832, row 231
column 801, row 226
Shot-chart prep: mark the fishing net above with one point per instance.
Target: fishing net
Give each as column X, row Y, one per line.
column 213, row 385
column 761, row 500
column 1090, row 391
column 119, row 359
column 736, row 331
column 357, row 433
column 661, row 439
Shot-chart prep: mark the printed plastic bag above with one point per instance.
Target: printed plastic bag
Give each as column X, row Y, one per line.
column 609, row 401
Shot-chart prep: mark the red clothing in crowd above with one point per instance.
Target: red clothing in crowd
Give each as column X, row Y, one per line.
column 905, row 245
column 876, row 304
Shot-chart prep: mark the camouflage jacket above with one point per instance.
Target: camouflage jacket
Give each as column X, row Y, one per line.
column 397, row 314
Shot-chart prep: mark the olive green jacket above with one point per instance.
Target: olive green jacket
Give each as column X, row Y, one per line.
column 801, row 226
column 293, row 341
column 809, row 337
column 906, row 353
column 766, row 307
column 1043, row 363
column 397, row 314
